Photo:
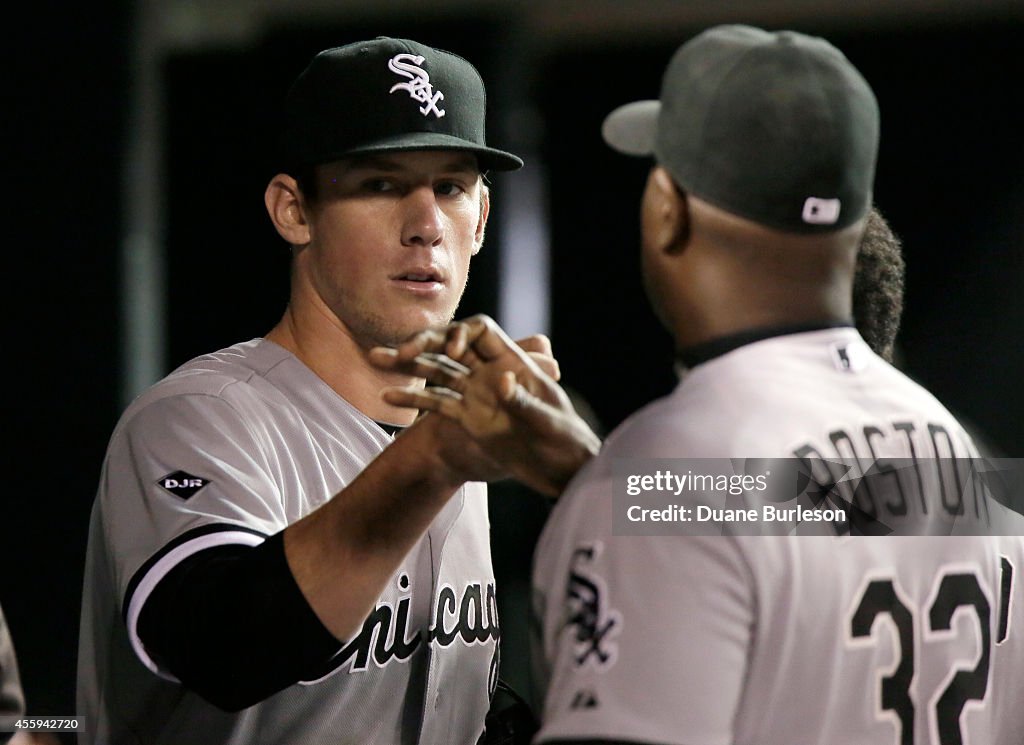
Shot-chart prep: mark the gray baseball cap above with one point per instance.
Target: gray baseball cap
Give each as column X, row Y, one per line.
column 387, row 95
column 776, row 127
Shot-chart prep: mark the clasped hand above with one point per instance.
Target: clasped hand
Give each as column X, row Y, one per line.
column 504, row 395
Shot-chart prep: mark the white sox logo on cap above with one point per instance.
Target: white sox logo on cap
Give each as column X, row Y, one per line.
column 419, row 86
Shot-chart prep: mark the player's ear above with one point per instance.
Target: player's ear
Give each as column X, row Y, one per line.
column 481, row 223
column 287, row 209
column 665, row 212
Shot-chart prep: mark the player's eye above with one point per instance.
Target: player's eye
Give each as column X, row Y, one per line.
column 378, row 185
column 449, row 189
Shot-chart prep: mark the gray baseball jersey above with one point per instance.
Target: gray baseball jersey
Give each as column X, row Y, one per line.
column 231, row 448
column 12, row 702
column 789, row 639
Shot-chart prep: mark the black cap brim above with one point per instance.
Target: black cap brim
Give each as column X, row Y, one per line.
column 489, row 158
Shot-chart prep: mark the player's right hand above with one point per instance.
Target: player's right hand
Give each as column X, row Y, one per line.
column 500, row 395
column 469, row 341
column 472, row 342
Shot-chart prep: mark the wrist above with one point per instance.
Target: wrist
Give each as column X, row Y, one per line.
column 432, row 444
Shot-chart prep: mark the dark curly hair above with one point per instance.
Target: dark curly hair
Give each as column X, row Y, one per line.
column 878, row 286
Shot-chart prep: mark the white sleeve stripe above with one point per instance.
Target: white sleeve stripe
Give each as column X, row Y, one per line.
column 160, row 570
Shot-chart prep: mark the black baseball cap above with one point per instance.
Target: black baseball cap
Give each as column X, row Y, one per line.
column 776, row 127
column 387, row 95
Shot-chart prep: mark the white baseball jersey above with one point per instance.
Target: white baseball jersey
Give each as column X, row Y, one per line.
column 231, row 448
column 789, row 639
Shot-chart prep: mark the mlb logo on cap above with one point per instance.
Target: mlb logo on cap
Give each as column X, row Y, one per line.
column 821, row 211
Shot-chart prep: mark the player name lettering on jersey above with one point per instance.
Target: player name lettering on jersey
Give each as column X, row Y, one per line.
column 386, row 637
column 933, row 476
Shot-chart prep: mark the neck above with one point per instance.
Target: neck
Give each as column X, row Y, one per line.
column 738, row 306
column 736, row 276
column 327, row 348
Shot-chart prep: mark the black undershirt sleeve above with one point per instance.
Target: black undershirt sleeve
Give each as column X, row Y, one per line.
column 232, row 625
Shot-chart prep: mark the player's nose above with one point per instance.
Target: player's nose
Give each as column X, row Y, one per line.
column 423, row 221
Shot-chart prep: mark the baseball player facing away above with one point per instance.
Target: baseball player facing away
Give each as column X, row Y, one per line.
column 764, row 147
column 268, row 562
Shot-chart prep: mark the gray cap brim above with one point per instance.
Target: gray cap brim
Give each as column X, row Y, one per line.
column 632, row 128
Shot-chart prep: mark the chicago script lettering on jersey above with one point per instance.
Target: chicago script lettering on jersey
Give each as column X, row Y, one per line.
column 477, row 615
column 419, row 86
column 386, row 635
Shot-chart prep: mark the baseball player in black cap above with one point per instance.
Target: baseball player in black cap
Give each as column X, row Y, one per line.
column 894, row 620
column 276, row 555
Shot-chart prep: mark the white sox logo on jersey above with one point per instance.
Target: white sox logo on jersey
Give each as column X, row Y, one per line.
column 588, row 612
column 385, row 636
column 419, row 86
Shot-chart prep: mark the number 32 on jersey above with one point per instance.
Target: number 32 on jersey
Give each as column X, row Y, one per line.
column 881, row 602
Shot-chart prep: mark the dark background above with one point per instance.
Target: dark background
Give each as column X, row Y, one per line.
column 948, row 181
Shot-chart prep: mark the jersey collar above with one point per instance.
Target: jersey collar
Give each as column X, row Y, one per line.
column 708, row 350
column 391, row 429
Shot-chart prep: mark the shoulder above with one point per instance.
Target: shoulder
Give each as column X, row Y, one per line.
column 761, row 398
column 232, row 375
column 244, row 363
column 224, row 394
column 668, row 427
